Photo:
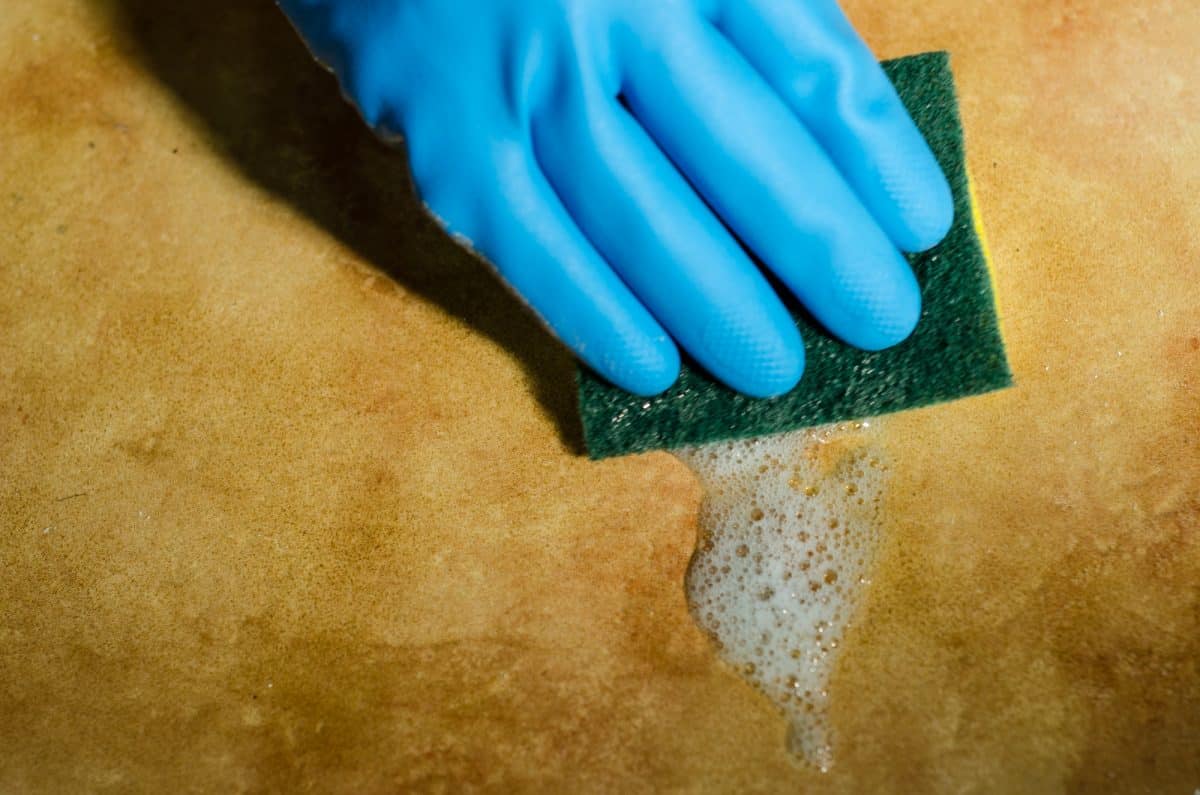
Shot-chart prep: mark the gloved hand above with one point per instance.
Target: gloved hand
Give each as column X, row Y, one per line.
column 611, row 158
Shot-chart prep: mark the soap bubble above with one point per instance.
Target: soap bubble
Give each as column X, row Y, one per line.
column 787, row 531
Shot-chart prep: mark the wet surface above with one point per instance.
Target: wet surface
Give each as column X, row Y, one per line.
column 787, row 534
column 275, row 515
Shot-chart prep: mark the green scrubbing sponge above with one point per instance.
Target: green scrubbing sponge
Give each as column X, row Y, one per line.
column 956, row 351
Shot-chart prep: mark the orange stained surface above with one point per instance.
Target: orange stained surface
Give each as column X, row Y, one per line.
column 291, row 496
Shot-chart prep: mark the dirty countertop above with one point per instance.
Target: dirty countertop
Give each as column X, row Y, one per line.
column 292, row 497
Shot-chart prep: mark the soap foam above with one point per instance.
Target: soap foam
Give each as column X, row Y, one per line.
column 787, row 530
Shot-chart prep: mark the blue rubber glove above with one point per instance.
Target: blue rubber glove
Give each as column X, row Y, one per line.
column 616, row 159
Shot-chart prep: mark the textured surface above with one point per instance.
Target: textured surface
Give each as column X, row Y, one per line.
column 329, row 537
column 956, row 350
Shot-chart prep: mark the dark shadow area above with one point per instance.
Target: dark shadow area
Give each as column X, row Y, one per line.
column 270, row 108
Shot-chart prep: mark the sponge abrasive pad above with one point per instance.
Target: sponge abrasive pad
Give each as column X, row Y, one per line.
column 956, row 351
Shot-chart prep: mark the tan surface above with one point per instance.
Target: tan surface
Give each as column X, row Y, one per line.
column 290, row 498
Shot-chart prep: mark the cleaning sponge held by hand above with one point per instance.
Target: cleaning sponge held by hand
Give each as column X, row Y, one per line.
column 957, row 349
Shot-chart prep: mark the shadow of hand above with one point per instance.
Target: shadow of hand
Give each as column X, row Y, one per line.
column 270, row 108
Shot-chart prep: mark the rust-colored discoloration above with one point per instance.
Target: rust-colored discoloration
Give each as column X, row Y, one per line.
column 291, row 497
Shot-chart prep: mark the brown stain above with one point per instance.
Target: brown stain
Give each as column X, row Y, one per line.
column 336, row 537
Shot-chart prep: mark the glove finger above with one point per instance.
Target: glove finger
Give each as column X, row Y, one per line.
column 813, row 58
column 770, row 181
column 664, row 243
column 507, row 212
